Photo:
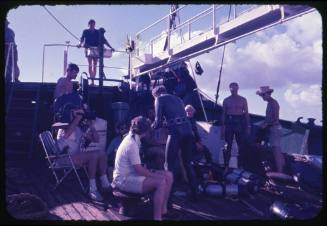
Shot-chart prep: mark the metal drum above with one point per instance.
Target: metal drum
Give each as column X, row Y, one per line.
column 213, row 189
column 94, row 52
column 231, row 189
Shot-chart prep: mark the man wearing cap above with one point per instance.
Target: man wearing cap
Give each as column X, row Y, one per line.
column 272, row 124
column 171, row 108
column 235, row 123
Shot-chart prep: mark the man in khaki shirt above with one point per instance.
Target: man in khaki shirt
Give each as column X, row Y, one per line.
column 235, row 123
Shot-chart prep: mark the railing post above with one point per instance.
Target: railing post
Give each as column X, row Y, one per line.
column 43, row 55
column 282, row 12
column 168, row 42
column 235, row 12
column 189, row 31
column 66, row 57
column 151, row 47
column 213, row 19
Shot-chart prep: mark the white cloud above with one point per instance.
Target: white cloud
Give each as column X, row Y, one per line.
column 285, row 54
column 302, row 96
column 305, row 29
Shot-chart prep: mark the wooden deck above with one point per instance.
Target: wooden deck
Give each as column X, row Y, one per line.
column 68, row 202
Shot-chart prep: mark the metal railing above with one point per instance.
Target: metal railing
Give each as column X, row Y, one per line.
column 65, row 60
column 216, row 12
column 211, row 13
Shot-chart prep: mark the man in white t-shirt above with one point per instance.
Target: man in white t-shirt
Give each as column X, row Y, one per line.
column 129, row 175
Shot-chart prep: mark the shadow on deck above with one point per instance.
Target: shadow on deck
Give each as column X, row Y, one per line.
column 68, row 202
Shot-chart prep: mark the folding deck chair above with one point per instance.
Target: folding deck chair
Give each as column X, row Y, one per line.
column 59, row 162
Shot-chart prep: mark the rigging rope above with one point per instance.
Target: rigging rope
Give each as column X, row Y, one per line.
column 61, row 23
column 221, row 64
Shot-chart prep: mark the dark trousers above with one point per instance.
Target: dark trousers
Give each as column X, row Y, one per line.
column 235, row 127
column 183, row 141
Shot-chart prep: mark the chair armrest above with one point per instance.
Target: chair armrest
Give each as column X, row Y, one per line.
column 59, row 125
column 58, row 156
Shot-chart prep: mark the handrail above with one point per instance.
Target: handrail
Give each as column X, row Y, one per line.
column 84, row 65
column 156, row 22
column 69, row 45
column 281, row 20
column 195, row 18
column 211, row 48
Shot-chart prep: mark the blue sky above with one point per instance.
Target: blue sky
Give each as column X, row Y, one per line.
column 287, row 57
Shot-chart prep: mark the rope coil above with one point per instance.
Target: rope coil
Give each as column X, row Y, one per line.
column 26, row 206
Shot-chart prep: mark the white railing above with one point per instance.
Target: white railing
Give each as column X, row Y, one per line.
column 218, row 14
column 65, row 58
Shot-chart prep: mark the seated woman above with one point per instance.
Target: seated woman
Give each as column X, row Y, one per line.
column 129, row 175
column 95, row 160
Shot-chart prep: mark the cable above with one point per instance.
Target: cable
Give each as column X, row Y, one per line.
column 61, row 23
column 221, row 65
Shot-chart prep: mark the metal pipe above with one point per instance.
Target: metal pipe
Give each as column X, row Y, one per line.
column 213, row 19
column 8, row 55
column 163, row 18
column 12, row 63
column 203, row 13
column 84, row 65
column 43, row 57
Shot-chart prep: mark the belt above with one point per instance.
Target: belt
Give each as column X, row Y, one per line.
column 177, row 121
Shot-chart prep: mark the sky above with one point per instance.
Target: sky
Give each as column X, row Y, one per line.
column 286, row 57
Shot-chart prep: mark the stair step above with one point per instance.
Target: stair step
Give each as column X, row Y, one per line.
column 23, row 94
column 17, row 146
column 19, row 134
column 27, row 114
column 14, row 156
column 23, row 102
column 14, row 122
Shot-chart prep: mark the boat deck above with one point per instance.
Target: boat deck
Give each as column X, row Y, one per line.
column 68, row 202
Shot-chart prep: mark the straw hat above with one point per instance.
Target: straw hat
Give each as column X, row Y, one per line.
column 263, row 90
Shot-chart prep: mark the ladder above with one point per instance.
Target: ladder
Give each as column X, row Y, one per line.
column 22, row 107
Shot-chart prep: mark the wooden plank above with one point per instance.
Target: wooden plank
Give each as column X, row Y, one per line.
column 77, row 200
column 41, row 181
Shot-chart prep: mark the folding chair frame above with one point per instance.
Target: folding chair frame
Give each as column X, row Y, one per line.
column 50, row 150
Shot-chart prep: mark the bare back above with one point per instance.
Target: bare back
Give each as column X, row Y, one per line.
column 64, row 86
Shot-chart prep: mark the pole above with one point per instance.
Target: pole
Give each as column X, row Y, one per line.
column 66, row 57
column 101, row 42
column 221, row 65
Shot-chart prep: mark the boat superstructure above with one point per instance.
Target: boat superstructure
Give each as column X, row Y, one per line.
column 153, row 51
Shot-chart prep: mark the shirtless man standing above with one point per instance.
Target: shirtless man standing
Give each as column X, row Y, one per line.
column 65, row 84
column 235, row 122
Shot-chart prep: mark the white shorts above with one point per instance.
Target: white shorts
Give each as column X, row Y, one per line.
column 133, row 184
